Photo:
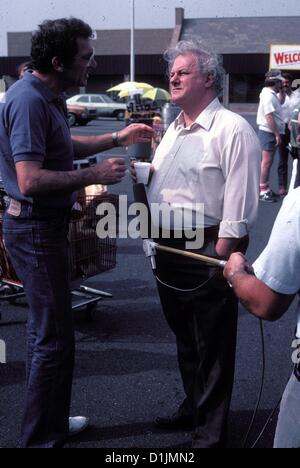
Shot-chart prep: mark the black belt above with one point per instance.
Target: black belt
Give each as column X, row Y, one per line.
column 210, row 233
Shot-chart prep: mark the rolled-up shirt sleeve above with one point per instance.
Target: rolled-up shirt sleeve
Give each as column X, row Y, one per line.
column 241, row 169
column 26, row 121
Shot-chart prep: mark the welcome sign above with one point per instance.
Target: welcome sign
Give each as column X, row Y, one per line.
column 285, row 57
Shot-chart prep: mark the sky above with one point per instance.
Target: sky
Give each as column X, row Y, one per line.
column 25, row 15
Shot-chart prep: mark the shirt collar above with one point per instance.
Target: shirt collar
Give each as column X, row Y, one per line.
column 205, row 119
column 46, row 92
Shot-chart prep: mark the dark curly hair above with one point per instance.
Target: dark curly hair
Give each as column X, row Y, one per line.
column 57, row 38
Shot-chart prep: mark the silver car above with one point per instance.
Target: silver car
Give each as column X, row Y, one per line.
column 104, row 105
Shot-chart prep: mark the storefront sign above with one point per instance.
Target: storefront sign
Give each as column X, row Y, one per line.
column 285, row 57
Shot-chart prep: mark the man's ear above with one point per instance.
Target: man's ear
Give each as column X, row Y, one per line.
column 210, row 80
column 57, row 64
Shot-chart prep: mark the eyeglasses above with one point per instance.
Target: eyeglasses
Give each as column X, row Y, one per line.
column 89, row 58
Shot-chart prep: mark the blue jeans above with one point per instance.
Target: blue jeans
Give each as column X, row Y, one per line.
column 38, row 246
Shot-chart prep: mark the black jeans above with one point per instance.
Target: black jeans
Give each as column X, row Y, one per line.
column 38, row 246
column 205, row 325
column 284, row 155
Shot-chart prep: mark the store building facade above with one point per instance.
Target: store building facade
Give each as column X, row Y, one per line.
column 244, row 44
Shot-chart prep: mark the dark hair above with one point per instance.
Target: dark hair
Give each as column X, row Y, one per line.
column 270, row 83
column 57, row 38
column 288, row 77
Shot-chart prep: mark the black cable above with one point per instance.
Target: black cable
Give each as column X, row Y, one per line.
column 185, row 290
column 261, row 386
column 267, row 423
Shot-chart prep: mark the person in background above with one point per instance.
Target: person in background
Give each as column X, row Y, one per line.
column 294, row 147
column 36, row 161
column 23, row 67
column 287, row 105
column 271, row 130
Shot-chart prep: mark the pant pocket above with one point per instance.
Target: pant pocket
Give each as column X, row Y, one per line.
column 21, row 249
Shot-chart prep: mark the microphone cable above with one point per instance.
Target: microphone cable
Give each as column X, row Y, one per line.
column 261, row 386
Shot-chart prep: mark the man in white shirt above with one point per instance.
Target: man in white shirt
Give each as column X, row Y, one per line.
column 209, row 155
column 289, row 101
column 271, row 129
column 268, row 295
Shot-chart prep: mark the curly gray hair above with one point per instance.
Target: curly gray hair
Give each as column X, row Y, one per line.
column 208, row 62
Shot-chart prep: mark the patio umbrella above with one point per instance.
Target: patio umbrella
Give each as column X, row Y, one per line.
column 130, row 86
column 131, row 92
column 157, row 94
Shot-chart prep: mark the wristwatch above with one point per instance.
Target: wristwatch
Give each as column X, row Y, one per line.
column 115, row 138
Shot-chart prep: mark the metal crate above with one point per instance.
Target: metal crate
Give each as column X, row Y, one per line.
column 89, row 255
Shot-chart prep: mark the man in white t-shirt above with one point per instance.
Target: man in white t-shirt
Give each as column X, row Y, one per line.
column 271, row 129
column 268, row 295
column 290, row 100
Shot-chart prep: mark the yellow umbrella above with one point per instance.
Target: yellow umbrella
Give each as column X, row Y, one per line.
column 130, row 86
column 157, row 94
column 132, row 92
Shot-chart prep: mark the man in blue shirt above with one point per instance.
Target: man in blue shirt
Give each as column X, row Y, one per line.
column 36, row 163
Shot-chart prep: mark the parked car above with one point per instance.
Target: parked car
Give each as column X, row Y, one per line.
column 103, row 104
column 80, row 115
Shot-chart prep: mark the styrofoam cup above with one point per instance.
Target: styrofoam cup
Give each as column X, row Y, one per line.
column 142, row 170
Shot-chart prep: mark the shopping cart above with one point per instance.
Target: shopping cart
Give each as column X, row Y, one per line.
column 89, row 255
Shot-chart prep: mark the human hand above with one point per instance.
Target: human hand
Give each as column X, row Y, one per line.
column 237, row 263
column 133, row 171
column 278, row 139
column 110, row 172
column 135, row 133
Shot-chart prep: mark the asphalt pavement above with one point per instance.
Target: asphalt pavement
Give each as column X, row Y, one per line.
column 126, row 369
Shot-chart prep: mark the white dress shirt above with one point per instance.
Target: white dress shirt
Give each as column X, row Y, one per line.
column 215, row 161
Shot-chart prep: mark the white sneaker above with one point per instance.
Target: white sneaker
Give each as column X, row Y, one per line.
column 77, row 424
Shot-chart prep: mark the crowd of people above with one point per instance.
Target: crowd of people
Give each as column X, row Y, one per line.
column 210, row 156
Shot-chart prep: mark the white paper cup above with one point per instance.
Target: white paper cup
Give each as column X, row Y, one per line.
column 142, row 170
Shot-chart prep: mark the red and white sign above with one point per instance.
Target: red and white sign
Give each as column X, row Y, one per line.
column 285, row 57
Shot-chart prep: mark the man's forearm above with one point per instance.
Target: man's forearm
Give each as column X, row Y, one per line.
column 249, row 290
column 257, row 297
column 225, row 247
column 85, row 146
column 45, row 182
column 272, row 124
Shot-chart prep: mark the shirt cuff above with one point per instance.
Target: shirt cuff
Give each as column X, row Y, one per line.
column 29, row 157
column 234, row 229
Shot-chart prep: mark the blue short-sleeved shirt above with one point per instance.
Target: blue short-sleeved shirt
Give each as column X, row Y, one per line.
column 34, row 127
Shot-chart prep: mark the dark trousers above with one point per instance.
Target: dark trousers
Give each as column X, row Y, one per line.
column 284, row 159
column 297, row 180
column 38, row 247
column 205, row 325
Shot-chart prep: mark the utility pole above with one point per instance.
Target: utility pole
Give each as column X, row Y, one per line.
column 132, row 53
